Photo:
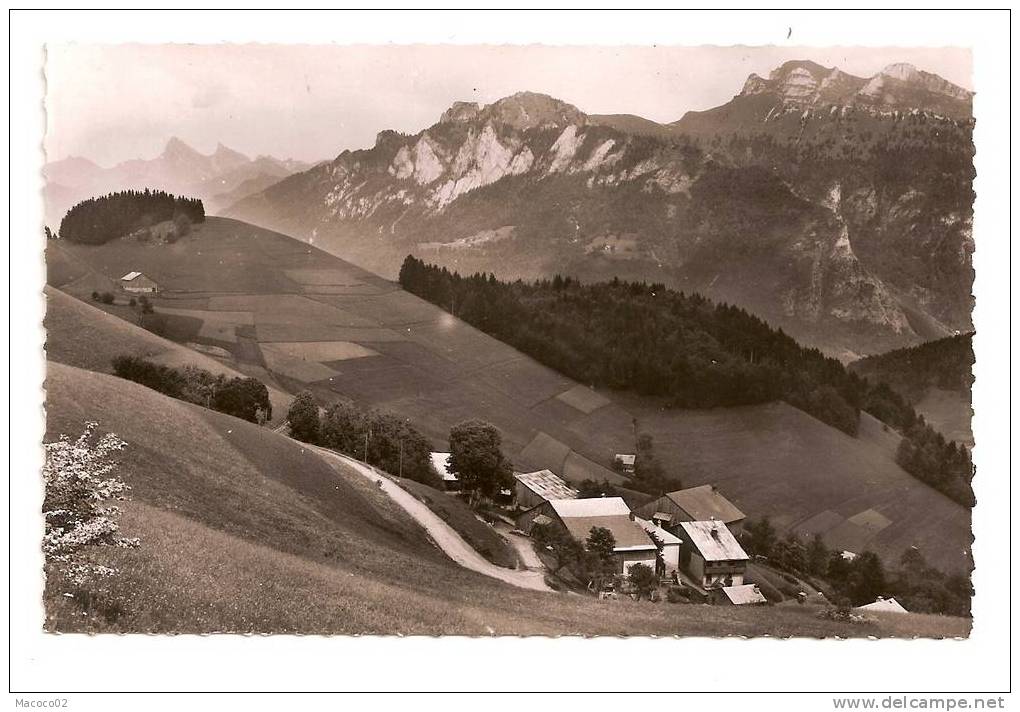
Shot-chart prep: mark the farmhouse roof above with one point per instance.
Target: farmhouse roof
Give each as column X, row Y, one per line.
column 657, row 532
column 546, row 485
column 625, row 458
column 592, row 507
column 743, row 595
column 713, row 541
column 884, row 605
column 129, row 276
column 580, row 516
column 704, row 503
column 441, row 464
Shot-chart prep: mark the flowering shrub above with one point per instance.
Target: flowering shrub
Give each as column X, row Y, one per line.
column 79, row 488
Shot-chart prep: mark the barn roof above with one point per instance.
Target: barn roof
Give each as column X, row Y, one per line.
column 592, row 507
column 744, row 595
column 657, row 532
column 441, row 464
column 580, row 516
column 713, row 541
column 704, row 503
column 546, row 485
column 129, row 276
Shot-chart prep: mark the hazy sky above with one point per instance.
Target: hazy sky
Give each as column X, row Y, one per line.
column 111, row 103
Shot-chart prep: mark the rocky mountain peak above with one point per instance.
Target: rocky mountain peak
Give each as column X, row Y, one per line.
column 798, row 81
column 799, row 68
column 523, row 110
column 911, row 76
column 902, row 71
column 229, row 153
column 526, row 110
column 755, row 85
column 461, row 111
column 898, row 87
column 176, row 148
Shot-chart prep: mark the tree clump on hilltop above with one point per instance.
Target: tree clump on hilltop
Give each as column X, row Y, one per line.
column 98, row 220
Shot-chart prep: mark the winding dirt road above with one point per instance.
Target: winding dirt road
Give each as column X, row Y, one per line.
column 445, row 537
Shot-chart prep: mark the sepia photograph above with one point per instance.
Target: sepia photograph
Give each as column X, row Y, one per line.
column 509, row 339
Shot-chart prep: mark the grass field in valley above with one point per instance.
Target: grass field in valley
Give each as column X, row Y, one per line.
column 245, row 530
column 305, row 319
column 812, row 478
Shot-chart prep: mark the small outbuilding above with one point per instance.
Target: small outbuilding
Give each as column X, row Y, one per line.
column 883, row 605
column 441, row 464
column 747, row 594
column 668, row 544
column 138, row 283
column 625, row 462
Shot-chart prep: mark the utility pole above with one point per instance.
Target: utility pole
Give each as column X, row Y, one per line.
column 368, row 434
column 400, row 467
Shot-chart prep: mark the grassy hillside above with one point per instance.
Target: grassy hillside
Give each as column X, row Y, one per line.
column 455, row 512
column 80, row 334
column 303, row 310
column 813, row 479
column 245, row 530
column 935, row 376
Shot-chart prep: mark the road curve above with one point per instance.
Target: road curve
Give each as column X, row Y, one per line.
column 445, row 537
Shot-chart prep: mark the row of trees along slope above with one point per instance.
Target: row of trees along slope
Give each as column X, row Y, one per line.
column 98, row 220
column 687, row 349
column 945, row 363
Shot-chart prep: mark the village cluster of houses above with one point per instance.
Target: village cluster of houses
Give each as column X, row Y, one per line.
column 687, row 536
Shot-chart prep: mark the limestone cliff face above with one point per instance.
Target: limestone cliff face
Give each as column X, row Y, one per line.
column 472, row 147
column 897, row 88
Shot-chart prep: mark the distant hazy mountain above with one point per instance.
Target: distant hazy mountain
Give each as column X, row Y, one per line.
column 838, row 207
column 178, row 169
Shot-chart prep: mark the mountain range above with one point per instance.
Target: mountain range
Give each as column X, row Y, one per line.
column 837, row 207
column 220, row 178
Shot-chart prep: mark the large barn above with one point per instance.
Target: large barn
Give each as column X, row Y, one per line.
column 138, row 283
column 533, row 488
column 694, row 504
column 579, row 516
